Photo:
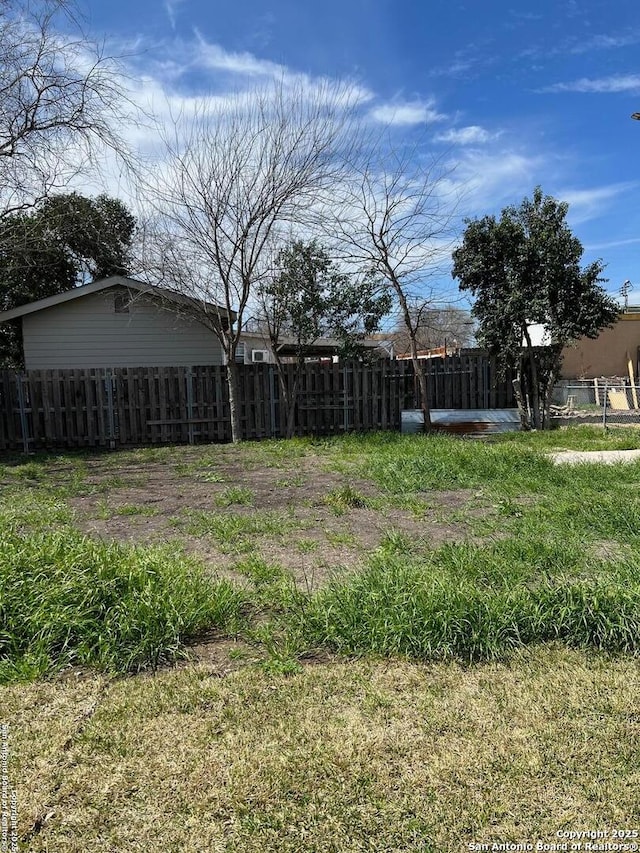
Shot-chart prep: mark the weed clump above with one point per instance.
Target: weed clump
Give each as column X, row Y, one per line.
column 69, row 600
column 428, row 610
column 345, row 498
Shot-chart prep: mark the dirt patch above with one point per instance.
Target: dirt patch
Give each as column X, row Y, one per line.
column 221, row 655
column 321, row 522
column 609, row 550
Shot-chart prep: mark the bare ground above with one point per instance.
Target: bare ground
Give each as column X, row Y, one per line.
column 155, row 502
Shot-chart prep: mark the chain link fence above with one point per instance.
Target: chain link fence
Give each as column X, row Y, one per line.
column 607, row 401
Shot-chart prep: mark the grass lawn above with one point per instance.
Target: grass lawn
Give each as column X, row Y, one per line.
column 380, row 642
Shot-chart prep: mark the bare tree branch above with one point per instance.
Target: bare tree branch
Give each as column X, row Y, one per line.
column 60, row 98
column 235, row 174
column 397, row 218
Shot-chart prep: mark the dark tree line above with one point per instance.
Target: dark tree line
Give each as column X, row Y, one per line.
column 64, row 241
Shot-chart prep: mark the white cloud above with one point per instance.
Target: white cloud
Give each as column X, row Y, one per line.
column 606, row 85
column 407, row 113
column 224, row 72
column 612, row 244
column 171, row 8
column 602, row 41
column 471, row 135
column 160, row 79
column 590, row 203
column 488, row 180
column 216, row 58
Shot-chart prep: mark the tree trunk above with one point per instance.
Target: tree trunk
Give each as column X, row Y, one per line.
column 234, row 399
column 288, row 395
column 535, row 382
column 517, row 390
column 546, row 402
column 553, row 373
column 422, row 384
column 417, row 367
column 291, row 397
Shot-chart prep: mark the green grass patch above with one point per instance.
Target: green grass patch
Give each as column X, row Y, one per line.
column 551, row 551
column 33, row 509
column 234, row 496
column 473, row 603
column 106, row 511
column 68, row 600
column 341, row 538
column 273, row 586
column 234, row 532
column 306, row 546
column 586, row 437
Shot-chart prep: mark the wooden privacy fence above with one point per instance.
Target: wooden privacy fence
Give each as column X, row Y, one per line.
column 98, row 407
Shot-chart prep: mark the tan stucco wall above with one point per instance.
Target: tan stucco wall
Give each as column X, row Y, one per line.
column 606, row 355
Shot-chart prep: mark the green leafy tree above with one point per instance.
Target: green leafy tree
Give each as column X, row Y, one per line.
column 65, row 241
column 524, row 269
column 96, row 232
column 308, row 298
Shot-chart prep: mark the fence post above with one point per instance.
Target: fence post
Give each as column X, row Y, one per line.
column 272, row 401
column 604, row 405
column 188, row 381
column 24, row 425
column 108, row 383
column 485, row 383
column 345, row 398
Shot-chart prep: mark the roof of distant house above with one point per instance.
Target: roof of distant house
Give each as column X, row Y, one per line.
column 288, row 346
column 141, row 288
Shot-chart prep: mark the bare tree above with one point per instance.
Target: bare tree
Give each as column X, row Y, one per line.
column 235, row 174
column 436, row 326
column 60, row 95
column 397, row 219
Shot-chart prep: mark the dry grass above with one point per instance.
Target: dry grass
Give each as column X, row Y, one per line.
column 227, row 755
column 375, row 756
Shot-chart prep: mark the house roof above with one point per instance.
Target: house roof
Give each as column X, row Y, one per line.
column 288, row 346
column 104, row 284
column 321, row 346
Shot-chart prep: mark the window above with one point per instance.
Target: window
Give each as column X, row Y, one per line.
column 240, row 353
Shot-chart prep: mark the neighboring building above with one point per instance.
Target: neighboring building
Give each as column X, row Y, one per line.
column 538, row 335
column 114, row 322
column 253, row 348
column 122, row 322
column 609, row 353
column 434, row 352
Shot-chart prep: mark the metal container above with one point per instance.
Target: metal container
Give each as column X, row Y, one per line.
column 411, row 421
column 475, row 421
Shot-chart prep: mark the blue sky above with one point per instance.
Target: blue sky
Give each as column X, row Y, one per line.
column 515, row 94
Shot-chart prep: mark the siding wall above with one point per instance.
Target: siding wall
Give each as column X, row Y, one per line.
column 87, row 332
column 252, row 342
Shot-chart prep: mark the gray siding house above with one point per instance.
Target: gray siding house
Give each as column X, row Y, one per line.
column 122, row 322
column 114, row 322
